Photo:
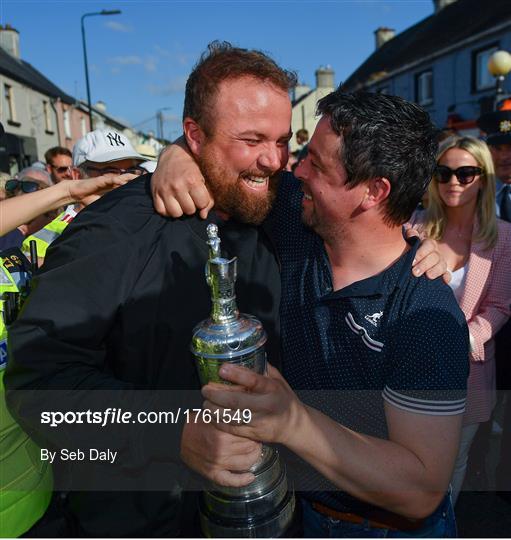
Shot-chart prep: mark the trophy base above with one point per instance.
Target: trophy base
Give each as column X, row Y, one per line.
column 272, row 525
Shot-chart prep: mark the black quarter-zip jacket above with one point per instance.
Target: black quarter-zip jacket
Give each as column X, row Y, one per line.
column 113, row 308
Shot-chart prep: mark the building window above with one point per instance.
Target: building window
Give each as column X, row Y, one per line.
column 482, row 79
column 9, row 103
column 47, row 117
column 83, row 126
column 67, row 124
column 424, row 88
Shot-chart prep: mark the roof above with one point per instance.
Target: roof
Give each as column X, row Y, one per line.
column 302, row 97
column 451, row 25
column 23, row 72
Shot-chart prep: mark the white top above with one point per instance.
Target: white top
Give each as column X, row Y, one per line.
column 457, row 283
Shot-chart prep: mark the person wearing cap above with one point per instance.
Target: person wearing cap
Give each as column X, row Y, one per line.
column 497, row 126
column 99, row 153
column 106, row 152
column 131, row 327
column 26, row 491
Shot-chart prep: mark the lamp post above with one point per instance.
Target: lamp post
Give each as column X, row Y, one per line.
column 103, row 12
column 499, row 65
column 159, row 121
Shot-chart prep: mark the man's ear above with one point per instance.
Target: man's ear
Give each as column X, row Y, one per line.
column 378, row 189
column 194, row 135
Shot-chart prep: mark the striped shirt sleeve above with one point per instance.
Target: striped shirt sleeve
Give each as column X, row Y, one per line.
column 430, row 356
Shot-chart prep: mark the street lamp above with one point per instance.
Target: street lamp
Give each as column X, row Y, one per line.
column 159, row 120
column 103, row 12
column 499, row 65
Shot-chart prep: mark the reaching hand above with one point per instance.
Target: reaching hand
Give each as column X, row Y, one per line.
column 88, row 190
column 428, row 259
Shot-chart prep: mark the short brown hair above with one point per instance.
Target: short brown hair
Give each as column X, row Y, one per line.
column 302, row 134
column 221, row 62
column 56, row 151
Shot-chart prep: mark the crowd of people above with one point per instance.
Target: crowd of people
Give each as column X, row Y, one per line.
column 387, row 319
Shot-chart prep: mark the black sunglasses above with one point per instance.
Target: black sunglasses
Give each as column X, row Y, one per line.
column 60, row 170
column 465, row 175
column 114, row 170
column 27, row 186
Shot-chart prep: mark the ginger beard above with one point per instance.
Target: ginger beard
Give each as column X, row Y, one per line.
column 250, row 206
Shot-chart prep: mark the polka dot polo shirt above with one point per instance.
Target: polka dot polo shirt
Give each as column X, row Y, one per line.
column 391, row 337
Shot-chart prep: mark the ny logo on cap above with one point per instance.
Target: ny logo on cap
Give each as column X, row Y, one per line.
column 115, row 138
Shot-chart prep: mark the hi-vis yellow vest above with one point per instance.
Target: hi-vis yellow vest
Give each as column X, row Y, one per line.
column 26, row 483
column 45, row 236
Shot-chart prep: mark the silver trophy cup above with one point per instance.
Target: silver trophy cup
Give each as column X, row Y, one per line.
column 264, row 508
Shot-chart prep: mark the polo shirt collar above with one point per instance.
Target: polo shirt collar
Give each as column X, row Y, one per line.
column 384, row 283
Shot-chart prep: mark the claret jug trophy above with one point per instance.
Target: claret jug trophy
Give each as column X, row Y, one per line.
column 264, row 508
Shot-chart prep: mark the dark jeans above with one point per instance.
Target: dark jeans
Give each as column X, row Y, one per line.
column 441, row 524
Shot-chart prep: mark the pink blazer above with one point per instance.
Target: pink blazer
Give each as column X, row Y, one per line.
column 486, row 303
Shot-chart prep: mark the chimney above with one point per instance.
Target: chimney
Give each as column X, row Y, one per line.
column 440, row 4
column 382, row 35
column 10, row 40
column 324, row 77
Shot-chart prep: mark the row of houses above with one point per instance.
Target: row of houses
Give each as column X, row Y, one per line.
column 36, row 114
column 441, row 63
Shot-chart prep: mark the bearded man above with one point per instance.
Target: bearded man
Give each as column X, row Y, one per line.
column 122, row 289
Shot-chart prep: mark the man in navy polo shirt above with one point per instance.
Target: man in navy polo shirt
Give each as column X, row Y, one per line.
column 375, row 360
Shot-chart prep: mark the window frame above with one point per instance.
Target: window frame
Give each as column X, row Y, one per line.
column 418, row 77
column 83, row 126
column 48, row 128
column 11, row 105
column 476, row 53
column 66, row 120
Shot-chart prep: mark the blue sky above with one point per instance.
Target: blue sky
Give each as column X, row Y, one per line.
column 139, row 60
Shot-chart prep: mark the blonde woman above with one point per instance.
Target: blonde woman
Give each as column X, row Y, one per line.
column 476, row 247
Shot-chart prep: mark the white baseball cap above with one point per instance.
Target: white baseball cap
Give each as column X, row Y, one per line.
column 103, row 146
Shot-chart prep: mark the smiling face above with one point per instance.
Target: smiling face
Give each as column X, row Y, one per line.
column 328, row 205
column 247, row 147
column 453, row 194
